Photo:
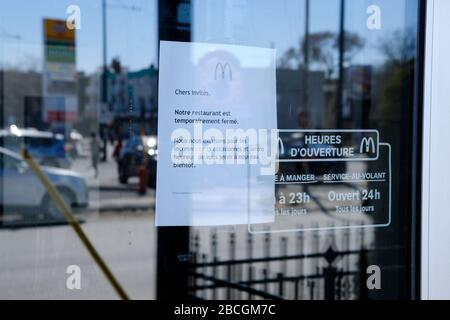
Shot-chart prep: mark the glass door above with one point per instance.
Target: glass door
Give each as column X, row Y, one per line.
column 344, row 214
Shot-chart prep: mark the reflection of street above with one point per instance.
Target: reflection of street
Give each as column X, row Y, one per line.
column 34, row 260
column 119, row 222
column 106, row 193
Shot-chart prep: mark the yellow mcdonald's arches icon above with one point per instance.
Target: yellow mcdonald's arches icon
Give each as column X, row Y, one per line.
column 367, row 145
column 225, row 72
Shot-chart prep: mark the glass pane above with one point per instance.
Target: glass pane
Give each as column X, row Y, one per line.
column 85, row 92
column 52, row 103
column 337, row 78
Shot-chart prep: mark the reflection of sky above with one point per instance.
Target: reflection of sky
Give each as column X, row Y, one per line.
column 132, row 34
column 281, row 23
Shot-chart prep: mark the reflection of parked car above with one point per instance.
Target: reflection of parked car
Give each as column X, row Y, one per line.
column 46, row 147
column 131, row 158
column 21, row 190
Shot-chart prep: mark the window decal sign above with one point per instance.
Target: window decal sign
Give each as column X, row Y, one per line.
column 328, row 145
column 330, row 194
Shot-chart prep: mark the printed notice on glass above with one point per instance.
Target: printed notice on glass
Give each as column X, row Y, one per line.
column 216, row 123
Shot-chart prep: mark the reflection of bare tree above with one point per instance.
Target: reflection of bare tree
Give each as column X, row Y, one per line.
column 319, row 52
column 322, row 50
column 290, row 57
column 399, row 47
column 393, row 101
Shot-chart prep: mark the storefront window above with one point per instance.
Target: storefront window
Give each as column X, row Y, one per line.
column 92, row 90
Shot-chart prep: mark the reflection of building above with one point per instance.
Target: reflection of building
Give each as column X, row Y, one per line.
column 32, row 116
column 22, row 91
column 24, row 104
column 132, row 99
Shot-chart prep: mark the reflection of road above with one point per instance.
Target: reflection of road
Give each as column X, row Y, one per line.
column 34, row 260
column 107, row 171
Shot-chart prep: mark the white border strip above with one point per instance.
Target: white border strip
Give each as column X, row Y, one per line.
column 436, row 153
column 427, row 148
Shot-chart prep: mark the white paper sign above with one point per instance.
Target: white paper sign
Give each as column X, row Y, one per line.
column 217, row 104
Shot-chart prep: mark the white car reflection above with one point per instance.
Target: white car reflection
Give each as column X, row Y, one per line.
column 20, row 189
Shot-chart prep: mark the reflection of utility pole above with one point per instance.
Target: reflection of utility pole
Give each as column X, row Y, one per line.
column 306, row 60
column 103, row 127
column 340, row 88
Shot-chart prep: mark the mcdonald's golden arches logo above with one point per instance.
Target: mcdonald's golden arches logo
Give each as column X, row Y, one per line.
column 223, row 72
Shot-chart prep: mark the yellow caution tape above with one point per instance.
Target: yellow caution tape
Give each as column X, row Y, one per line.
column 66, row 210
